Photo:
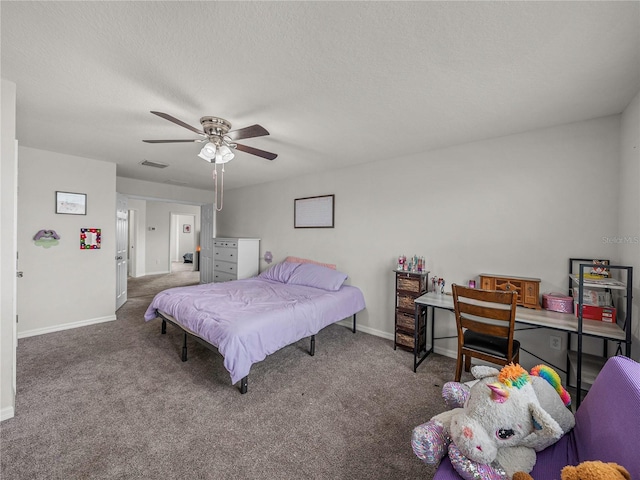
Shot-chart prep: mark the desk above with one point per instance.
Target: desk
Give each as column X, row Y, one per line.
column 565, row 322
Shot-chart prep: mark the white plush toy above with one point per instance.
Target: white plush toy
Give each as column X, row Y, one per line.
column 507, row 417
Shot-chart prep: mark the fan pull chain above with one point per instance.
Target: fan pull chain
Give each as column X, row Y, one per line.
column 215, row 186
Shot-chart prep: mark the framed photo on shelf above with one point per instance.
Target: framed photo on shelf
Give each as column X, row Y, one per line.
column 69, row 203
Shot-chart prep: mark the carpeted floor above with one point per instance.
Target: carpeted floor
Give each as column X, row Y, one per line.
column 114, row 401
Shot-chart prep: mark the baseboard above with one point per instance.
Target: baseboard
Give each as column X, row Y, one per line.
column 389, row 336
column 363, row 328
column 6, row 413
column 66, row 326
column 164, row 272
column 445, row 352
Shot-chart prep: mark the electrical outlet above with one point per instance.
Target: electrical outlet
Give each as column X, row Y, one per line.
column 555, row 342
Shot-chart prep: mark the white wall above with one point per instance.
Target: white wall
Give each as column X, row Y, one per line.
column 8, row 205
column 629, row 211
column 516, row 205
column 73, row 287
column 163, row 192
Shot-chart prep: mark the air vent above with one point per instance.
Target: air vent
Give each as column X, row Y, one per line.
column 175, row 182
column 148, row 163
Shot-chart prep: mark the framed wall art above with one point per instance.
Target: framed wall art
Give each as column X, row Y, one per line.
column 71, row 203
column 90, row 238
column 186, row 228
column 314, row 212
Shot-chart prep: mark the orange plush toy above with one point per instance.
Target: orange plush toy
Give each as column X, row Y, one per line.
column 593, row 470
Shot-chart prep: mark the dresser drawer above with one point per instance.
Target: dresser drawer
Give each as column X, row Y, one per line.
column 225, row 267
column 411, row 283
column 226, row 243
column 223, row 276
column 226, row 254
column 405, row 322
column 404, row 340
column 406, row 302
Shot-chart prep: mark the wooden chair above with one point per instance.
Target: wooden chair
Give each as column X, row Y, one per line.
column 486, row 321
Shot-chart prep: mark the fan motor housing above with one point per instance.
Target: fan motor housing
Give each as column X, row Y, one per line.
column 215, row 125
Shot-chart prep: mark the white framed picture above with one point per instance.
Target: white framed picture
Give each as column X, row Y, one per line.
column 71, row 203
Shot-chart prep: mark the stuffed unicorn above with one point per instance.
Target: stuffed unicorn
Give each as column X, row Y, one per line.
column 495, row 427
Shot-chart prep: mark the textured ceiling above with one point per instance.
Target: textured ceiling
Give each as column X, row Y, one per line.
column 335, row 83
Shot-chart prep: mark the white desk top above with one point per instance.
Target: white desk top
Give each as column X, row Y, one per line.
column 543, row 318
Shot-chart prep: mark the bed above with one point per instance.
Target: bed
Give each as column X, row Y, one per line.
column 247, row 320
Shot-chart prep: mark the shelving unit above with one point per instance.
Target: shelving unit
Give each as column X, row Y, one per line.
column 585, row 367
column 409, row 330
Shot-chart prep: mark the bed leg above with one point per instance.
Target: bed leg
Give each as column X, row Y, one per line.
column 312, row 350
column 243, row 384
column 354, row 323
column 164, row 327
column 184, row 348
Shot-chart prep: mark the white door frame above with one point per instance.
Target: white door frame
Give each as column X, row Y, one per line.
column 132, row 251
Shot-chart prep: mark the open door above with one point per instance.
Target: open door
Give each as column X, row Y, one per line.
column 122, row 241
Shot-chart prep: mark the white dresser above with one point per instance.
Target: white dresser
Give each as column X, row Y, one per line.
column 235, row 258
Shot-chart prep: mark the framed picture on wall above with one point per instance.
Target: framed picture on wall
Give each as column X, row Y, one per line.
column 314, row 212
column 186, row 228
column 71, row 203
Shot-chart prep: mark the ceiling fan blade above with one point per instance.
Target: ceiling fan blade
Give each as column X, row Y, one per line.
column 256, row 151
column 248, row 132
column 172, row 141
column 166, row 116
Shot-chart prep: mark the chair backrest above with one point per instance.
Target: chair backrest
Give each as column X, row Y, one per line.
column 489, row 312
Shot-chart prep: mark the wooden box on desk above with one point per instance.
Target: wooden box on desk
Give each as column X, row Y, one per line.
column 528, row 288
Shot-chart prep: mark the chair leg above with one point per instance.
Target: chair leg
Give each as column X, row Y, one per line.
column 467, row 363
column 458, row 368
column 517, row 358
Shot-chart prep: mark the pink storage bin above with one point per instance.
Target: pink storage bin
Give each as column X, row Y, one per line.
column 557, row 302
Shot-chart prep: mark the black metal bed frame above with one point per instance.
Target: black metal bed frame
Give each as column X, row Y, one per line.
column 245, row 381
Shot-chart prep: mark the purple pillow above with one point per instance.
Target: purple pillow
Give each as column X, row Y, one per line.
column 280, row 272
column 311, row 275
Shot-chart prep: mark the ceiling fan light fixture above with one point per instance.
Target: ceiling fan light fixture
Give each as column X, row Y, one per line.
column 208, row 152
column 204, row 157
column 224, row 154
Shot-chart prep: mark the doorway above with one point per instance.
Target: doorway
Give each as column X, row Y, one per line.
column 182, row 242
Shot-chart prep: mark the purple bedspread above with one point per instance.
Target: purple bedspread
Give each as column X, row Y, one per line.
column 249, row 319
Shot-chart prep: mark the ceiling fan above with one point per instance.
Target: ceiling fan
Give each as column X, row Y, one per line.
column 220, row 138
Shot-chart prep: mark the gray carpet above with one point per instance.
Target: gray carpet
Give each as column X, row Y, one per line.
column 114, row 401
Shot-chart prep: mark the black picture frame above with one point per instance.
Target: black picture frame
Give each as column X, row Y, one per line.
column 314, row 212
